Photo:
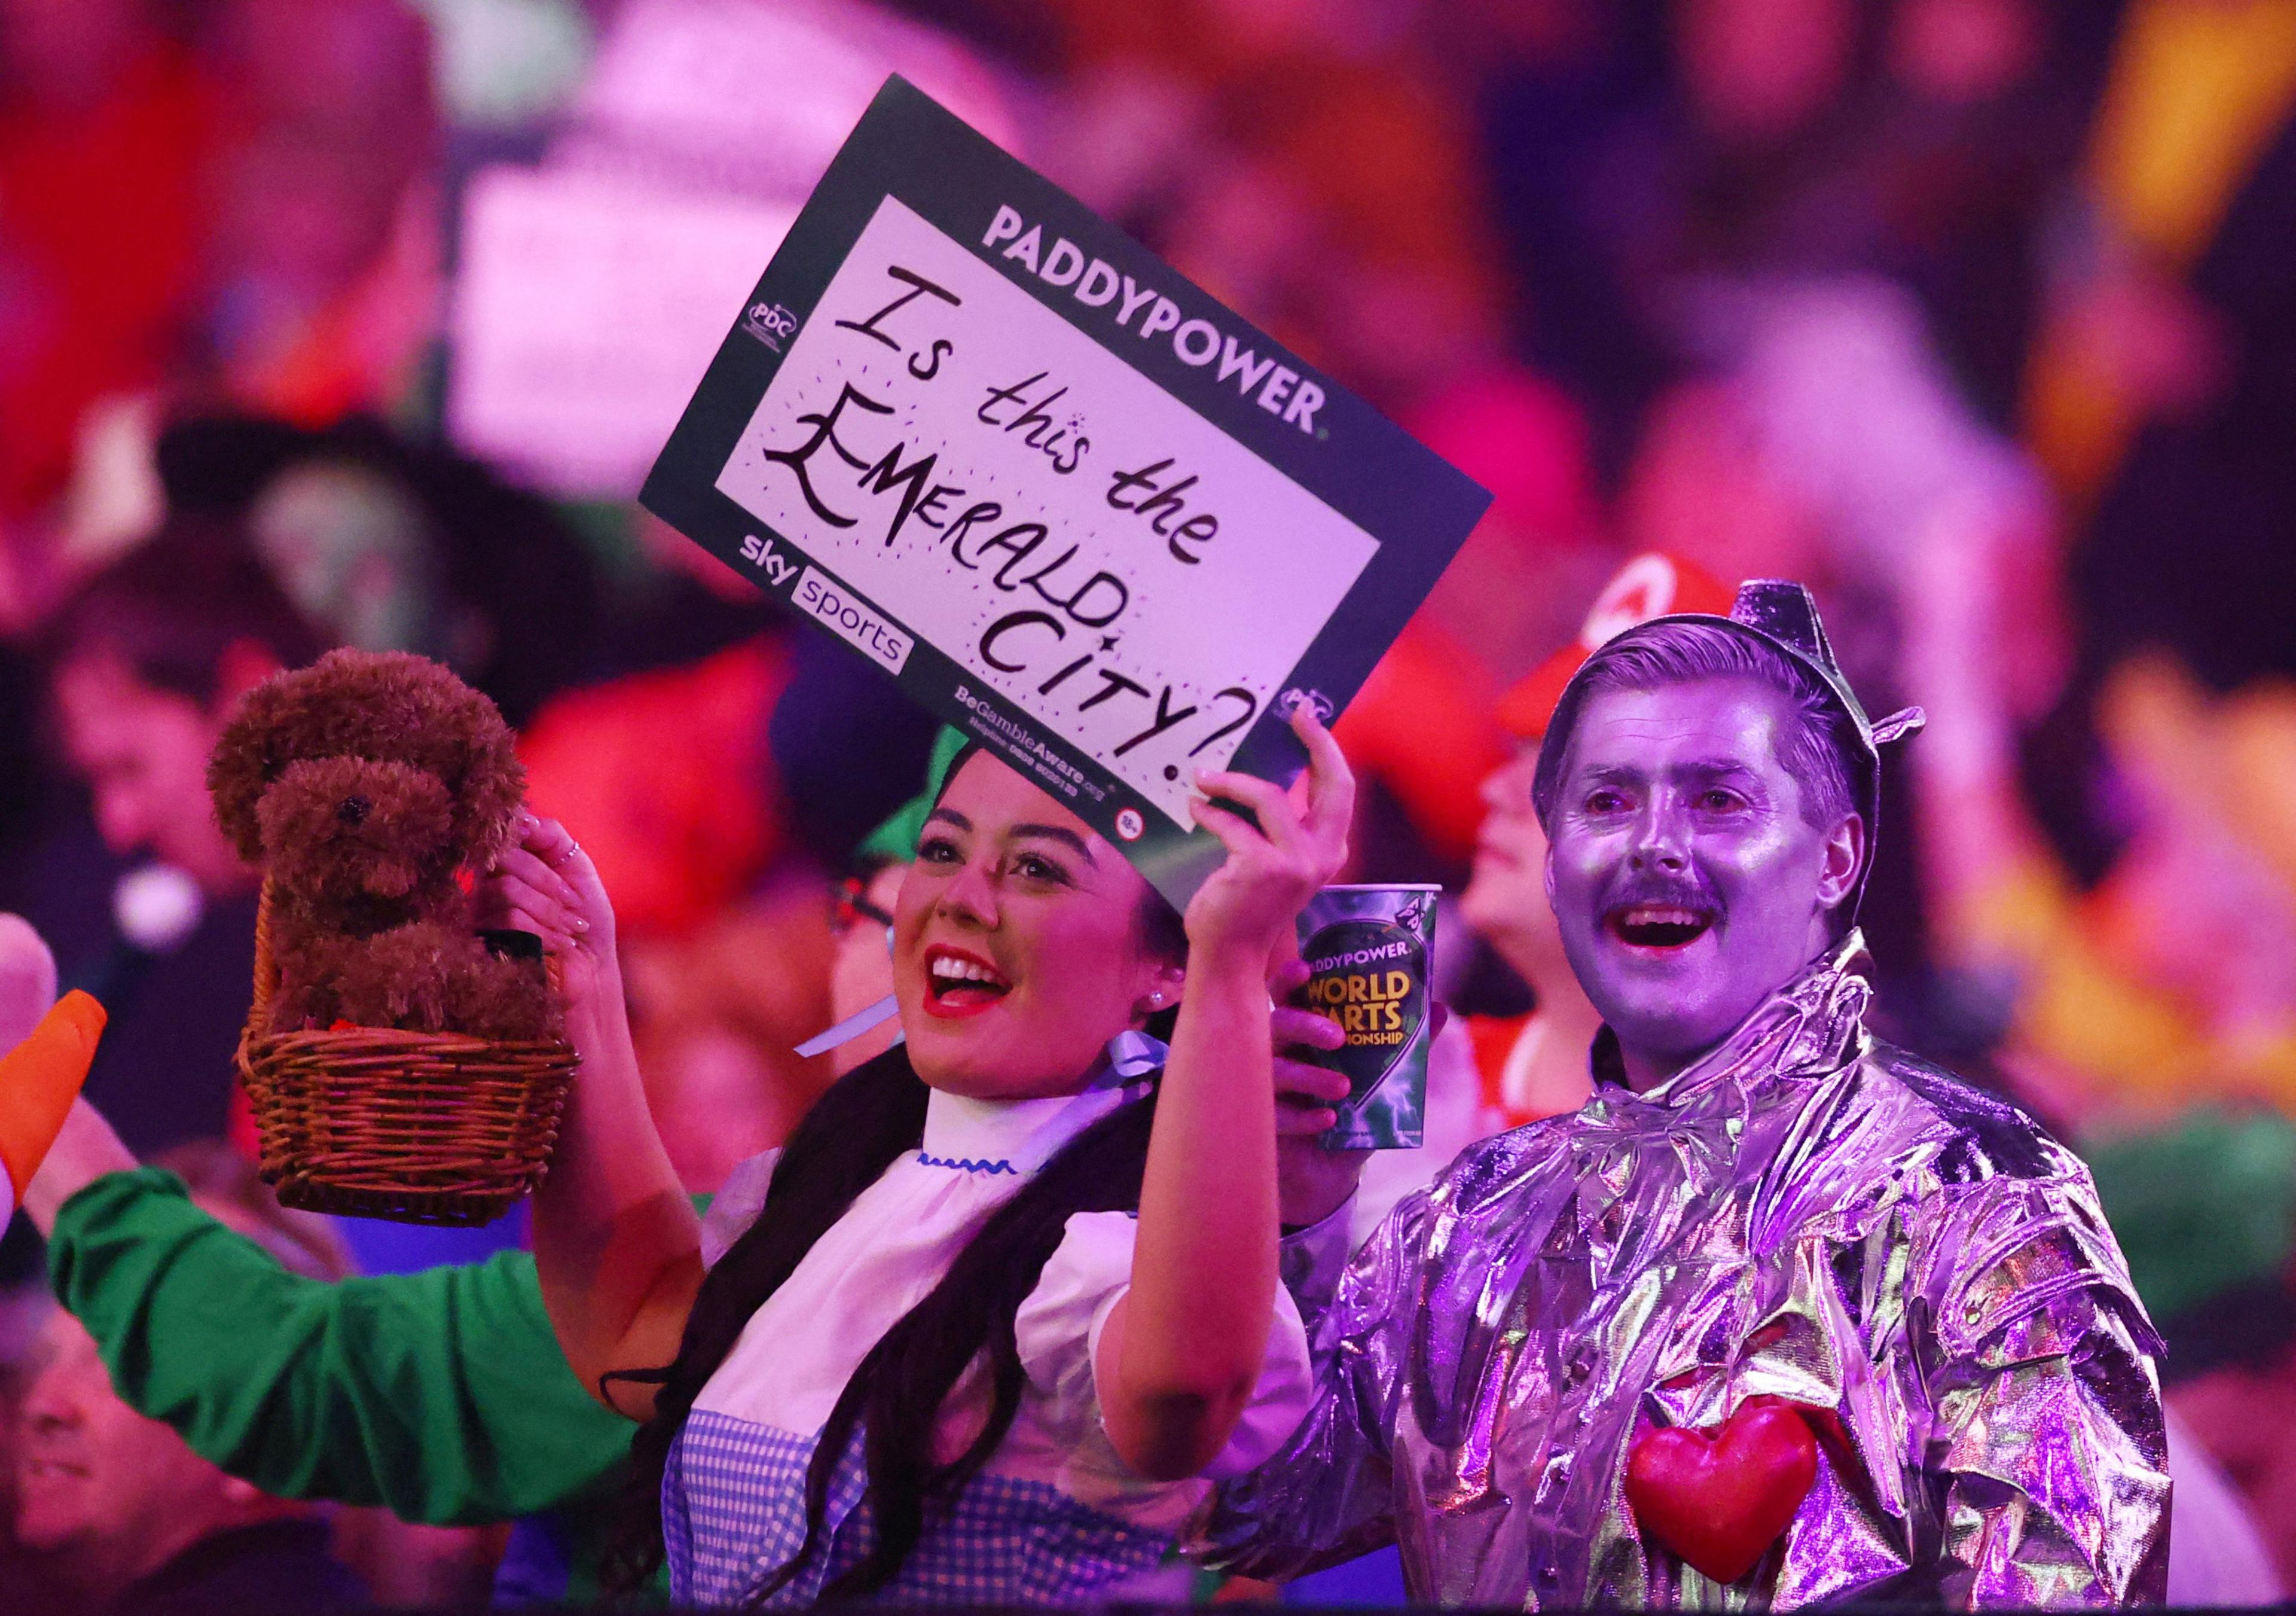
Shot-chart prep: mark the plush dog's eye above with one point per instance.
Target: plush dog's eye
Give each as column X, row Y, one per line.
column 354, row 810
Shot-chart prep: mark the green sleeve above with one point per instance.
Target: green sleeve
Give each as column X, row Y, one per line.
column 441, row 1395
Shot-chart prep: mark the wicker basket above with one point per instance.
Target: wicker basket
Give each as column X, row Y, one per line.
column 436, row 1127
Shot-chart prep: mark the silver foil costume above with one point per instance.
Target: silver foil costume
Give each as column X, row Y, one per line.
column 1805, row 1213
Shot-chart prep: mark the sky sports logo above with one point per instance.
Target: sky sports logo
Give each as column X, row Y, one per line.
column 861, row 626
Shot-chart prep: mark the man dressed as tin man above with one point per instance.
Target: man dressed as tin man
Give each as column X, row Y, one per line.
column 1782, row 1314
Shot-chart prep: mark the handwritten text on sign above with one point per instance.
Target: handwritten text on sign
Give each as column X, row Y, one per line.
column 997, row 483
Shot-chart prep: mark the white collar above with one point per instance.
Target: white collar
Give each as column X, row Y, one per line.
column 1018, row 1136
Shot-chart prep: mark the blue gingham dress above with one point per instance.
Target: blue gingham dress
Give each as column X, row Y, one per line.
column 1055, row 1517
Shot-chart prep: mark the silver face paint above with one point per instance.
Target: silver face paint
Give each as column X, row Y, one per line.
column 1803, row 1213
column 1673, row 805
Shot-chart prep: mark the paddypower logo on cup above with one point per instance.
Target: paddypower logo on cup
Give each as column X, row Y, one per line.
column 1370, row 976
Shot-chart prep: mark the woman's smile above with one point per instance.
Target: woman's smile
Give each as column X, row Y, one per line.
column 959, row 984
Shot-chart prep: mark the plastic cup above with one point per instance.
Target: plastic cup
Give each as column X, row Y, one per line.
column 1369, row 950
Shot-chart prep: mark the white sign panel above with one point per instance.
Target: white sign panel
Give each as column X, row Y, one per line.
column 1119, row 621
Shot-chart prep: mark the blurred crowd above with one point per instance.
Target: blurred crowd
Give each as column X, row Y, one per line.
column 1978, row 315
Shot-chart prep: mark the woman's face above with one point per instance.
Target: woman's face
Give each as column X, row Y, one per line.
column 1016, row 942
column 1506, row 897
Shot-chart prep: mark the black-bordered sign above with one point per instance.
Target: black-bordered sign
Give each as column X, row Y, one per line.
column 1074, row 505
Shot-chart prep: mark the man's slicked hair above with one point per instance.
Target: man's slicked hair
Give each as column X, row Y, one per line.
column 1818, row 749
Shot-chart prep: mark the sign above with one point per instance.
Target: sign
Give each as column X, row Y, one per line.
column 585, row 309
column 1070, row 502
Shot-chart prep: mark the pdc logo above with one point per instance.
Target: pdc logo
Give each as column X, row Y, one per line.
column 770, row 323
column 1313, row 700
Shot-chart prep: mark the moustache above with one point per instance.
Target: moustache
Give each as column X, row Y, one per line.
column 1655, row 888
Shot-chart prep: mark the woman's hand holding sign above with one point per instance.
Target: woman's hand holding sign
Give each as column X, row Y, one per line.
column 1249, row 906
column 1302, row 833
column 1181, row 1353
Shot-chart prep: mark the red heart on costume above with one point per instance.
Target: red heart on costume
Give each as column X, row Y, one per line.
column 1719, row 1497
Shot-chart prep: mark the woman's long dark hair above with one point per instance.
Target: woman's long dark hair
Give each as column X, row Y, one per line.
column 866, row 1121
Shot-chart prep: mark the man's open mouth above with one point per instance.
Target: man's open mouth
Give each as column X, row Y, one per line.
column 1658, row 925
column 961, row 984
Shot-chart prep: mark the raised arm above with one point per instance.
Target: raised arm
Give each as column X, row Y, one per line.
column 441, row 1395
column 1181, row 1353
column 615, row 1238
column 47, row 1046
column 1329, row 1494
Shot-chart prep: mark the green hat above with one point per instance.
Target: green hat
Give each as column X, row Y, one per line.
column 897, row 838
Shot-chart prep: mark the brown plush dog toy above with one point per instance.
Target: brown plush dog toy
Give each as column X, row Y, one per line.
column 371, row 786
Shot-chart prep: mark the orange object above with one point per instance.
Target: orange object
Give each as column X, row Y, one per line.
column 2194, row 99
column 1650, row 586
column 1421, row 724
column 1493, row 1038
column 40, row 1078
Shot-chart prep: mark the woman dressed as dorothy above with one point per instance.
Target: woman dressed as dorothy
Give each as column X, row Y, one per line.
column 989, row 1325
